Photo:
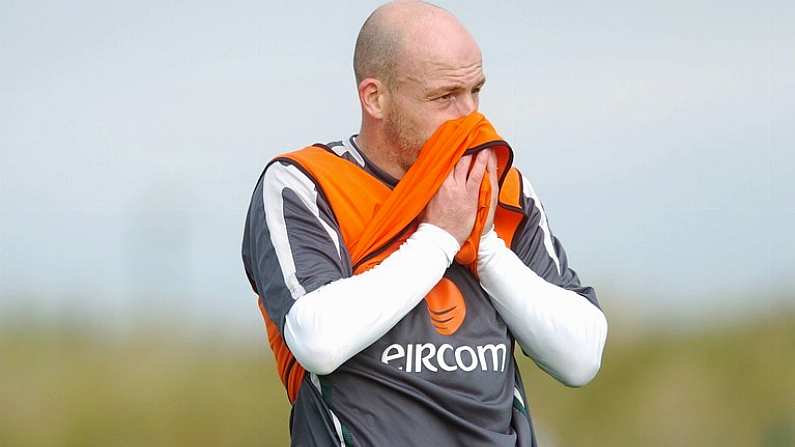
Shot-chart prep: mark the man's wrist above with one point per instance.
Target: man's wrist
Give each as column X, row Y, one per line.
column 490, row 241
column 439, row 237
column 490, row 245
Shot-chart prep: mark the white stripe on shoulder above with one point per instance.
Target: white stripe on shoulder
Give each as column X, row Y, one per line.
column 346, row 146
column 277, row 177
column 351, row 143
column 530, row 192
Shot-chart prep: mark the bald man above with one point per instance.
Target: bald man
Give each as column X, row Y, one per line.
column 378, row 373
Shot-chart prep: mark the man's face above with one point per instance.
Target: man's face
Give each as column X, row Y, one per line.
column 431, row 87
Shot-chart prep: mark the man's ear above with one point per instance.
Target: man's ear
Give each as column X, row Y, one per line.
column 373, row 96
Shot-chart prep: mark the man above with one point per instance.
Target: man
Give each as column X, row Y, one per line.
column 378, row 372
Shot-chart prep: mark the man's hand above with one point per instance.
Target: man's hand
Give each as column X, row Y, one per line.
column 454, row 205
column 491, row 169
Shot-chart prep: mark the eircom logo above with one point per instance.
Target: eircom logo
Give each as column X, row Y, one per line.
column 417, row 356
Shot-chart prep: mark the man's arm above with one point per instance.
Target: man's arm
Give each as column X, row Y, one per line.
column 555, row 321
column 295, row 257
column 335, row 322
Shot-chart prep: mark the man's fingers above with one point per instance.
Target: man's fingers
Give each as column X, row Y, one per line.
column 492, row 168
column 476, row 175
column 492, row 165
column 460, row 170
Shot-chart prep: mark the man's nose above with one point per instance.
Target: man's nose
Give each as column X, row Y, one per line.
column 467, row 104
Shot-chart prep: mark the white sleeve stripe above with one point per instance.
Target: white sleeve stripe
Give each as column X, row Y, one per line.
column 337, row 425
column 529, row 191
column 518, row 396
column 277, row 177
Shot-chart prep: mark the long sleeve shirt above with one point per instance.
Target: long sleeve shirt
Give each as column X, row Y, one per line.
column 378, row 372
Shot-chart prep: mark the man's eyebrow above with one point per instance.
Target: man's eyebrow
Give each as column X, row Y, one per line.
column 452, row 87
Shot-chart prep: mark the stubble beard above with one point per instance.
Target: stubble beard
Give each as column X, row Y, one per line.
column 404, row 136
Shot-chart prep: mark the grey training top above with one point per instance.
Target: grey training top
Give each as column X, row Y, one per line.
column 413, row 386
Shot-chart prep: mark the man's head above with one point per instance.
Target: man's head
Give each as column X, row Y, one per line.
column 416, row 67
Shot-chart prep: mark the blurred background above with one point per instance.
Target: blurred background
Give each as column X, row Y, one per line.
column 659, row 136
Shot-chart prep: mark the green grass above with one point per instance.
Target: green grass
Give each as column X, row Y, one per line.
column 729, row 386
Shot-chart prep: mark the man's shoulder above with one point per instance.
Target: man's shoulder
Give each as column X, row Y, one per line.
column 287, row 179
column 279, row 166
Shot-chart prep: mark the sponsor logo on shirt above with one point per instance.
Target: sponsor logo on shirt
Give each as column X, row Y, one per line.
column 417, row 357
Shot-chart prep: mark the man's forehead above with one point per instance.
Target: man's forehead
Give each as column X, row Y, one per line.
column 433, row 73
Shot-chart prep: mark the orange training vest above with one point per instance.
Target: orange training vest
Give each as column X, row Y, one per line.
column 374, row 220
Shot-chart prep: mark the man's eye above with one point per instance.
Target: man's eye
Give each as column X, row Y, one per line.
column 445, row 97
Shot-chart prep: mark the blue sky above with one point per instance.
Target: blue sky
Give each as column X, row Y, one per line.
column 659, row 137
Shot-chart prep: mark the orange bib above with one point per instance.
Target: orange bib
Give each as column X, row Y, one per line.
column 374, row 220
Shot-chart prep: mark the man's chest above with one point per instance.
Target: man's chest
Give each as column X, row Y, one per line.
column 454, row 332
